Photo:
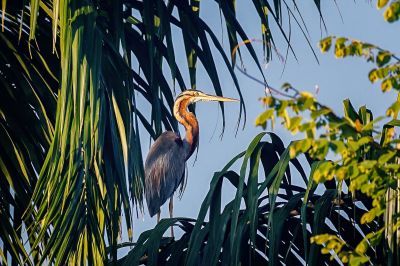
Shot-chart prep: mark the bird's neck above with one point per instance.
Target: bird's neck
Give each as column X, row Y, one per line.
column 189, row 122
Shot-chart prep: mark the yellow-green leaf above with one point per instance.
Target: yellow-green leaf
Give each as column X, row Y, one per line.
column 383, row 58
column 262, row 119
column 381, row 3
column 325, row 44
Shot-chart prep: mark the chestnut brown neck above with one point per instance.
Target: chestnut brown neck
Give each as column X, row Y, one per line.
column 189, row 122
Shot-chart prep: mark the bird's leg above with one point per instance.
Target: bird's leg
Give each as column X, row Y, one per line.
column 158, row 216
column 171, row 208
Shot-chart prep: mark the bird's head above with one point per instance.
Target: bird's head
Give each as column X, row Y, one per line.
column 196, row 96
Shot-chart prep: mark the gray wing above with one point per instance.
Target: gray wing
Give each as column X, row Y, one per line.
column 164, row 169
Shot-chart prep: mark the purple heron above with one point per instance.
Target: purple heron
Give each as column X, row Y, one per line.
column 165, row 162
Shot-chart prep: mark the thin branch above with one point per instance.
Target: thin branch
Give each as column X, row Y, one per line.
column 265, row 84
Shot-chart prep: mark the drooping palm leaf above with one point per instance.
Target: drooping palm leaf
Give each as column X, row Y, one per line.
column 27, row 106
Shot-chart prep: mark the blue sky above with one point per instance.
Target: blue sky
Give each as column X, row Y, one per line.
column 337, row 80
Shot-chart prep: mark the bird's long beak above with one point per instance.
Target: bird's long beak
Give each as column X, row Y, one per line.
column 207, row 97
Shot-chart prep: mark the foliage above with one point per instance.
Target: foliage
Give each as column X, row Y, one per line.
column 355, row 157
column 269, row 220
column 392, row 12
column 77, row 71
column 72, row 75
column 27, row 114
column 279, row 222
column 364, row 152
column 355, row 219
